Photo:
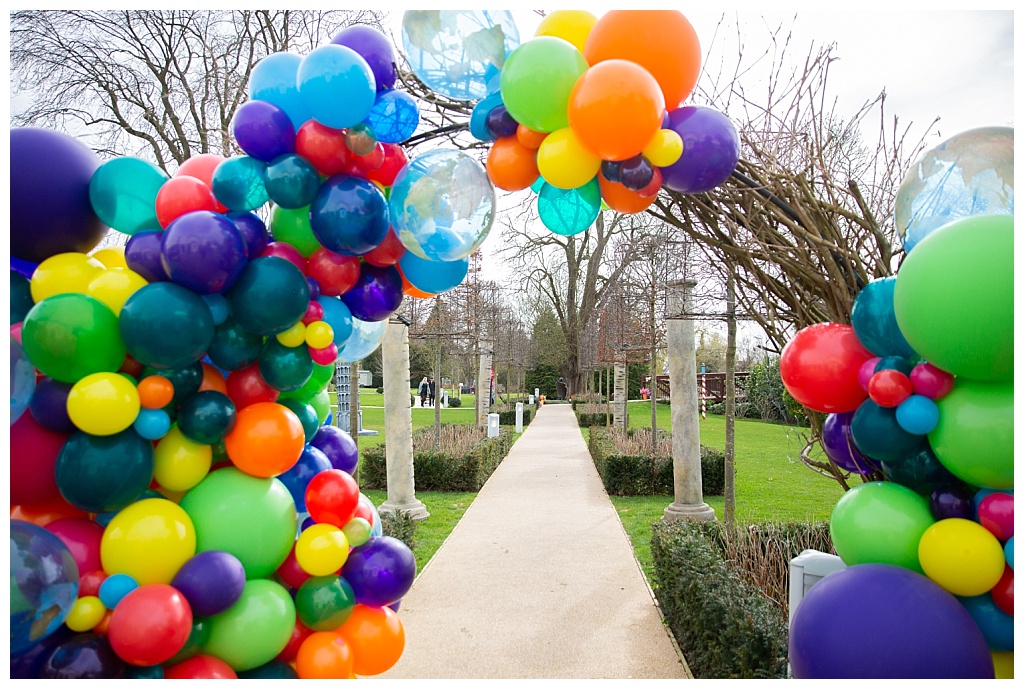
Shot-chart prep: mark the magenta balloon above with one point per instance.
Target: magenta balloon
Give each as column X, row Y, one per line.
column 711, row 149
column 83, row 538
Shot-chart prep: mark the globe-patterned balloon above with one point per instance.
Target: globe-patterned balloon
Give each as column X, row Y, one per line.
column 459, row 53
column 968, row 174
column 44, row 584
column 442, row 205
column 393, row 117
column 365, row 338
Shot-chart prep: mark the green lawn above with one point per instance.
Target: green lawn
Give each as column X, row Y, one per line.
column 372, row 405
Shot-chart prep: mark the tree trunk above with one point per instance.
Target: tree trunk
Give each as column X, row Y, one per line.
column 730, row 403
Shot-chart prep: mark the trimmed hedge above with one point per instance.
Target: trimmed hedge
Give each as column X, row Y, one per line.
column 454, row 402
column 590, row 414
column 507, row 417
column 640, row 475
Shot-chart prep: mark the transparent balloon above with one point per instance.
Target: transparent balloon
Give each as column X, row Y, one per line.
column 394, row 116
column 365, row 338
column 23, row 380
column 44, row 584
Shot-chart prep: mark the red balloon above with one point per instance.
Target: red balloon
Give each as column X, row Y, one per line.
column 889, row 388
column 336, row 274
column 314, row 313
column 364, row 509
column 200, row 667
column 332, row 497
column 202, row 167
column 291, row 573
column 654, row 186
column 180, row 195
column 394, row 160
column 387, row 252
column 291, row 650
column 248, row 386
column 82, row 537
column 287, row 252
column 150, row 624
column 43, row 513
column 131, row 367
column 995, row 513
column 322, row 146
column 819, row 368
column 372, row 160
column 89, row 583
column 1002, row 592
column 34, row 451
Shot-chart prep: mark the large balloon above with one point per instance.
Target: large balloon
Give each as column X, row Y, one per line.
column 273, row 80
column 68, row 336
column 104, row 473
column 433, row 277
column 711, row 149
column 123, row 194
column 537, row 80
column 336, row 85
column 569, row 211
column 254, row 630
column 44, row 584
column 349, row 215
column 974, row 436
column 159, row 310
column 880, row 522
column 148, row 540
column 269, row 297
column 819, row 367
column 203, row 251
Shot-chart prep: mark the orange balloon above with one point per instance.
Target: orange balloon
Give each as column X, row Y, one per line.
column 408, row 289
column 43, row 513
column 324, row 655
column 529, row 138
column 376, row 637
column 155, row 392
column 615, row 108
column 103, row 628
column 621, row 199
column 267, row 439
column 661, row 41
column 213, row 380
column 512, row 166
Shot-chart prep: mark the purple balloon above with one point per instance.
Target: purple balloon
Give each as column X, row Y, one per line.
column 49, row 405
column 914, row 629
column 837, row 441
column 203, row 251
column 952, row 502
column 142, row 254
column 380, row 571
column 377, row 293
column 253, row 230
column 314, row 288
column 338, row 445
column 263, row 130
column 50, row 208
column 500, row 123
column 211, row 581
column 24, row 268
column 636, row 173
column 711, row 149
column 374, row 47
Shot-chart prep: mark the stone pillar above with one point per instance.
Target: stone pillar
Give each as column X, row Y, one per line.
column 682, row 370
column 621, row 388
column 398, row 424
column 483, row 384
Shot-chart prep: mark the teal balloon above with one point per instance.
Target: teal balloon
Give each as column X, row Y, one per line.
column 270, row 296
column 974, row 436
column 291, row 181
column 877, row 433
column 104, row 473
column 186, row 381
column 920, row 471
column 318, row 381
column 324, row 603
column 880, row 522
column 123, row 194
column 239, row 183
column 21, row 297
column 569, row 211
column 954, row 298
column 874, row 320
column 166, row 326
column 275, row 669
column 69, row 336
column 207, row 416
column 538, row 184
column 254, row 630
column 285, row 369
column 307, row 415
column 233, row 346
column 538, row 79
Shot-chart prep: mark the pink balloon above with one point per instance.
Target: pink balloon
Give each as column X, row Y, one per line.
column 16, row 331
column 867, row 369
column 34, row 451
column 995, row 513
column 82, row 537
column 932, row 382
column 287, row 252
column 326, row 356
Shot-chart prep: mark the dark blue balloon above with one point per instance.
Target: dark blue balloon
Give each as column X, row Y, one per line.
column 84, row 656
column 291, row 181
column 254, row 232
column 233, row 346
column 951, row 501
column 433, row 277
column 919, row 470
column 879, row 436
column 142, row 254
column 203, row 251
column 377, row 293
column 311, row 462
column 21, row 297
column 314, row 288
column 275, row 669
column 381, row 571
column 29, row 663
column 393, row 117
column 500, row 123
column 22, row 267
column 612, row 170
column 339, row 448
column 263, row 130
column 874, row 320
column 636, row 173
column 49, row 405
column 349, row 215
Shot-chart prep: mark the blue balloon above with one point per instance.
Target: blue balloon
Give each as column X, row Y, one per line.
column 381, row 571
column 337, row 86
column 995, row 625
column 478, row 119
column 432, row 277
column 142, row 254
column 273, row 80
column 365, row 338
column 349, row 215
column 115, row 587
column 23, row 381
column 291, row 181
column 569, row 211
column 377, row 293
column 44, row 584
column 1008, row 551
column 239, row 184
column 152, row 424
column 311, row 462
column 218, row 305
column 393, row 117
column 338, row 316
column 874, row 320
column 918, row 415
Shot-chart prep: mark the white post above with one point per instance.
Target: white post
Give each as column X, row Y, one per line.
column 519, row 417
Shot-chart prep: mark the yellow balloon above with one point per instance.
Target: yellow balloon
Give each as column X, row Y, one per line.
column 961, row 556
column 293, row 336
column 571, row 25
column 1003, row 662
column 103, row 403
column 319, row 334
column 86, row 613
column 665, row 148
column 148, row 540
column 62, row 273
column 111, row 257
column 564, row 162
column 113, row 286
column 321, row 549
column 180, row 463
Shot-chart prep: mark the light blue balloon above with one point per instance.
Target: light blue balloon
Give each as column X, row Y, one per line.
column 339, row 317
column 442, row 205
column 1008, row 551
column 873, row 318
column 918, row 415
column 394, row 116
column 478, row 119
column 115, row 587
column 23, row 380
column 365, row 338
column 569, row 211
column 337, row 85
column 273, row 80
column 152, row 424
column 239, row 183
column 538, row 184
column 433, row 277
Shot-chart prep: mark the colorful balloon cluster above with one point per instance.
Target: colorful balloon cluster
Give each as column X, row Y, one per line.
column 588, row 110
column 920, row 389
column 181, row 506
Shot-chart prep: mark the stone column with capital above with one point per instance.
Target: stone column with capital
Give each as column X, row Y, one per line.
column 682, row 369
column 483, row 384
column 398, row 424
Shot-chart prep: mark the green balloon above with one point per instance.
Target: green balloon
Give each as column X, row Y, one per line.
column 306, row 413
column 206, row 417
column 974, row 437
column 123, row 194
column 255, row 629
column 166, row 326
column 954, row 297
column 104, row 473
column 317, row 383
column 324, row 603
column 880, row 522
column 270, row 296
column 69, row 336
column 291, row 225
column 233, row 346
column 21, row 297
column 537, row 80
column 285, row 369
column 252, row 518
column 199, row 635
column 322, row 404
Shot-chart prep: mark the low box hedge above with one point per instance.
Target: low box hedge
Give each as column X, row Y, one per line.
column 590, row 414
column 507, row 417
column 635, row 474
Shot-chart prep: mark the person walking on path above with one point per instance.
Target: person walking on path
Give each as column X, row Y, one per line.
column 424, row 390
column 432, row 389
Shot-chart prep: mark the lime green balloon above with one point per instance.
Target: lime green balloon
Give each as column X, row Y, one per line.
column 123, row 194
column 317, row 382
column 974, row 437
column 69, row 336
column 291, row 225
column 880, row 522
column 255, row 629
column 321, row 403
column 954, row 297
column 252, row 518
column 537, row 80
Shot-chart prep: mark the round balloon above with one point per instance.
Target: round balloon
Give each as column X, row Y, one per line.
column 263, row 130
column 711, row 149
column 211, row 581
column 433, row 277
column 269, row 297
column 880, row 522
column 69, row 336
column 376, row 294
column 569, row 211
column 240, row 183
column 123, row 194
column 273, row 79
column 874, row 320
column 337, row 85
column 819, row 367
column 381, row 571
column 44, row 584
column 104, row 473
column 149, row 540
column 255, row 629
column 837, row 441
column 203, row 251
column 292, row 182
column 974, row 435
column 394, row 116
column 537, row 80
column 157, row 310
column 374, row 47
column 349, row 215
column 961, row 556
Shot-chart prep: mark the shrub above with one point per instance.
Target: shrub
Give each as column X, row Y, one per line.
column 769, row 396
column 399, row 525
column 380, row 391
column 507, row 417
column 624, row 463
column 592, row 414
column 587, row 398
column 744, row 410
column 454, row 402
